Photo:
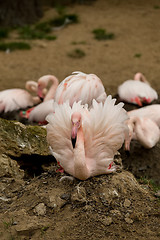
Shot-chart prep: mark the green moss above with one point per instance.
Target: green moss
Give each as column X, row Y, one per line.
column 17, row 139
column 149, row 182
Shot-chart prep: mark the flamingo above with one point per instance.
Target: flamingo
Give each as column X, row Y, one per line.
column 43, row 82
column 16, row 98
column 80, row 87
column 137, row 91
column 76, row 87
column 39, row 112
column 84, row 141
column 151, row 111
column 144, row 130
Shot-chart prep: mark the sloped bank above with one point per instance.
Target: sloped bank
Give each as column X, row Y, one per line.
column 47, row 206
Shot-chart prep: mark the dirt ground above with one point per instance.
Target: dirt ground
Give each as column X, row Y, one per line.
column 106, row 207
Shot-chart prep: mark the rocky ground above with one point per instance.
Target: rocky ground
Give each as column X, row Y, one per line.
column 35, row 201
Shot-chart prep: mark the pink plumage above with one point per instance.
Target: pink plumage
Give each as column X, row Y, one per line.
column 80, row 87
column 144, row 130
column 100, row 133
column 15, row 99
column 137, row 91
column 76, row 87
column 152, row 112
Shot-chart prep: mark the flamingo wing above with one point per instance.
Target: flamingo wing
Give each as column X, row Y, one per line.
column 131, row 89
column 39, row 113
column 14, row 99
column 151, row 111
column 80, row 87
column 59, row 133
column 104, row 134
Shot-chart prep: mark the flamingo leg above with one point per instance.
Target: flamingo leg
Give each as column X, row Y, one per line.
column 61, row 170
column 138, row 101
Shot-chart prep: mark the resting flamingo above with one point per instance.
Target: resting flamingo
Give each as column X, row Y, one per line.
column 137, row 91
column 16, row 98
column 151, row 111
column 76, row 87
column 144, row 130
column 84, row 141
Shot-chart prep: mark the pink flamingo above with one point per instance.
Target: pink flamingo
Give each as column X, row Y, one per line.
column 137, row 91
column 80, row 87
column 84, row 141
column 76, row 87
column 39, row 112
column 43, row 82
column 16, row 98
column 151, row 111
column 143, row 130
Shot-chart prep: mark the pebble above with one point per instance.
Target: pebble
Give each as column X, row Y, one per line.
column 106, row 221
column 157, row 194
column 79, row 194
column 40, row 209
column 127, row 203
column 128, row 220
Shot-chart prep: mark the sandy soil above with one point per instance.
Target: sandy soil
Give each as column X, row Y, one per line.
column 89, row 216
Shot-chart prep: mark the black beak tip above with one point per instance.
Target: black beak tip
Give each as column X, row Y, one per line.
column 73, row 140
column 41, row 98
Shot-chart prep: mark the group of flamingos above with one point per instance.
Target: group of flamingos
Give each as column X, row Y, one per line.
column 85, row 127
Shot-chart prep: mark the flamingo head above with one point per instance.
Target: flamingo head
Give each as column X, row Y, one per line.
column 40, row 91
column 76, row 120
column 42, row 84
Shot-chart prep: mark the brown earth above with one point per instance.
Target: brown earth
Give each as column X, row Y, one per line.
column 105, row 207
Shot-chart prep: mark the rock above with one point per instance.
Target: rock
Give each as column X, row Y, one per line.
column 116, row 213
column 10, row 167
column 57, row 199
column 106, row 221
column 27, row 225
column 79, row 194
column 128, row 220
column 18, row 140
column 40, row 209
column 157, row 194
column 127, row 203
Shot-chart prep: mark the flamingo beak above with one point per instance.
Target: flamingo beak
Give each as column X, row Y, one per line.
column 74, row 135
column 40, row 93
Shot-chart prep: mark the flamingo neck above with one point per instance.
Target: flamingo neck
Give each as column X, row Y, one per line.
column 140, row 77
column 36, row 100
column 138, row 130
column 31, row 86
column 52, row 90
column 80, row 167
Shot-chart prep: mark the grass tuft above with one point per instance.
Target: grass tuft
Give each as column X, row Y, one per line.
column 40, row 31
column 138, row 55
column 14, row 46
column 59, row 21
column 77, row 53
column 4, row 32
column 101, row 34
